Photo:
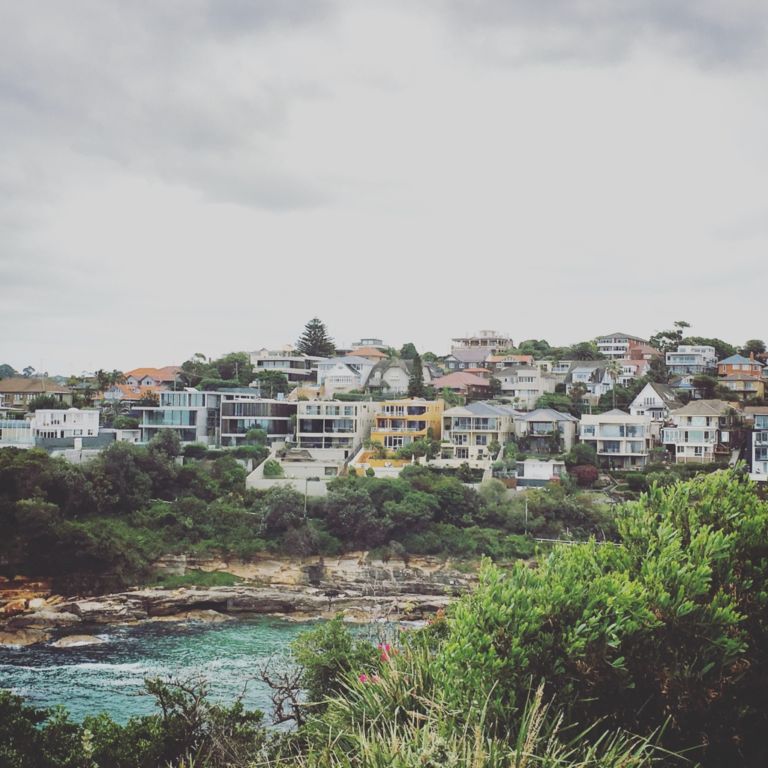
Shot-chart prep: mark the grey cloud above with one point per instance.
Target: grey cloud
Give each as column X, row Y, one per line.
column 151, row 87
column 730, row 33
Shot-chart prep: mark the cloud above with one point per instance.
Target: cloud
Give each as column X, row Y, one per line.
column 711, row 33
column 176, row 90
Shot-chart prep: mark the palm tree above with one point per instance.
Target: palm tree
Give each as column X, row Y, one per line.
column 613, row 369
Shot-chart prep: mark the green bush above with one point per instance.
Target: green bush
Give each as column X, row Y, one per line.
column 669, row 628
column 272, row 468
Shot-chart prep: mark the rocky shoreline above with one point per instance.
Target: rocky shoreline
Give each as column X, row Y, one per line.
column 300, row 591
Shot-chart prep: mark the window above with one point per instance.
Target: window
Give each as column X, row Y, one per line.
column 481, row 439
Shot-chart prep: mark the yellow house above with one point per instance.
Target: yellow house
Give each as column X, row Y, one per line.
column 400, row 422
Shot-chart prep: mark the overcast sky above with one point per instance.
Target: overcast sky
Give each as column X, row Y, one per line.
column 188, row 176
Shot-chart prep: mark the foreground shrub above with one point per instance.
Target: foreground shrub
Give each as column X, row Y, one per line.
column 668, row 626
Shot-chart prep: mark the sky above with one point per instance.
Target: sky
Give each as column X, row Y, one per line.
column 206, row 176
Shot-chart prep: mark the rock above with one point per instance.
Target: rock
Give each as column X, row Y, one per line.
column 112, row 609
column 74, row 641
column 23, row 637
column 204, row 615
column 36, row 603
column 44, row 619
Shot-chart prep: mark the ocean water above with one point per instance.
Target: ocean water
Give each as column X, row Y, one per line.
column 109, row 677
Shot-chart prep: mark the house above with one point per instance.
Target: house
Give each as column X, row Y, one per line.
column 740, row 366
column 616, row 345
column 467, row 384
column 691, row 359
column 758, row 444
column 374, row 354
column 58, row 424
column 330, row 424
column 526, row 384
column 342, row 374
column 469, row 357
column 393, row 375
column 491, row 341
column 500, row 362
column 475, row 430
column 592, row 375
column 16, row 433
column 401, row 422
column 619, row 439
column 536, row 473
column 297, row 368
column 241, row 411
column 655, row 400
column 153, row 377
column 545, row 430
column 744, row 385
column 369, row 342
column 17, row 391
column 133, row 393
column 701, row 431
column 642, row 351
column 474, row 351
column 217, row 418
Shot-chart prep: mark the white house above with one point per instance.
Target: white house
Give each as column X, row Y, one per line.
column 655, row 400
column 619, row 439
column 343, row 374
column 470, row 431
column 297, row 368
column 526, row 384
column 330, row 424
column 691, row 358
column 52, row 424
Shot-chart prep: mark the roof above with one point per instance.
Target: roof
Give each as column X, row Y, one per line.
column 619, row 334
column 526, row 359
column 368, row 352
column 460, row 380
column 739, row 359
column 704, row 408
column 129, row 392
column 469, row 354
column 166, row 373
column 547, row 414
column 31, row 384
column 666, row 393
column 756, row 410
column 346, row 360
column 480, row 408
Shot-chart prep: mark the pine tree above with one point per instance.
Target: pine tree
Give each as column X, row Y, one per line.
column 315, row 340
column 416, row 379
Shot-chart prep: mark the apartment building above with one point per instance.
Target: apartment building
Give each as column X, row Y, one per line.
column 691, row 359
column 758, row 445
column 619, row 439
column 217, row 418
column 331, row 424
column 701, row 431
column 471, row 431
column 401, row 422
column 57, row 424
column 297, row 368
column 616, row 346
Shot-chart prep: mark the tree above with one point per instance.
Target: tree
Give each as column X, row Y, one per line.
column 754, row 347
column 722, row 348
column 315, row 340
column 416, row 379
column 578, row 390
column 408, row 351
column 7, row 371
column 272, row 383
column 494, row 387
column 28, row 371
column 584, row 350
column 42, row 402
column 581, row 454
column 705, row 385
column 613, row 369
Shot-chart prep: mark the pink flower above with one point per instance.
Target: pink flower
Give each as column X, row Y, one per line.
column 375, row 679
column 363, row 678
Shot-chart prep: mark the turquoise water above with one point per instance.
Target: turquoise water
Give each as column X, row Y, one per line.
column 109, row 677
